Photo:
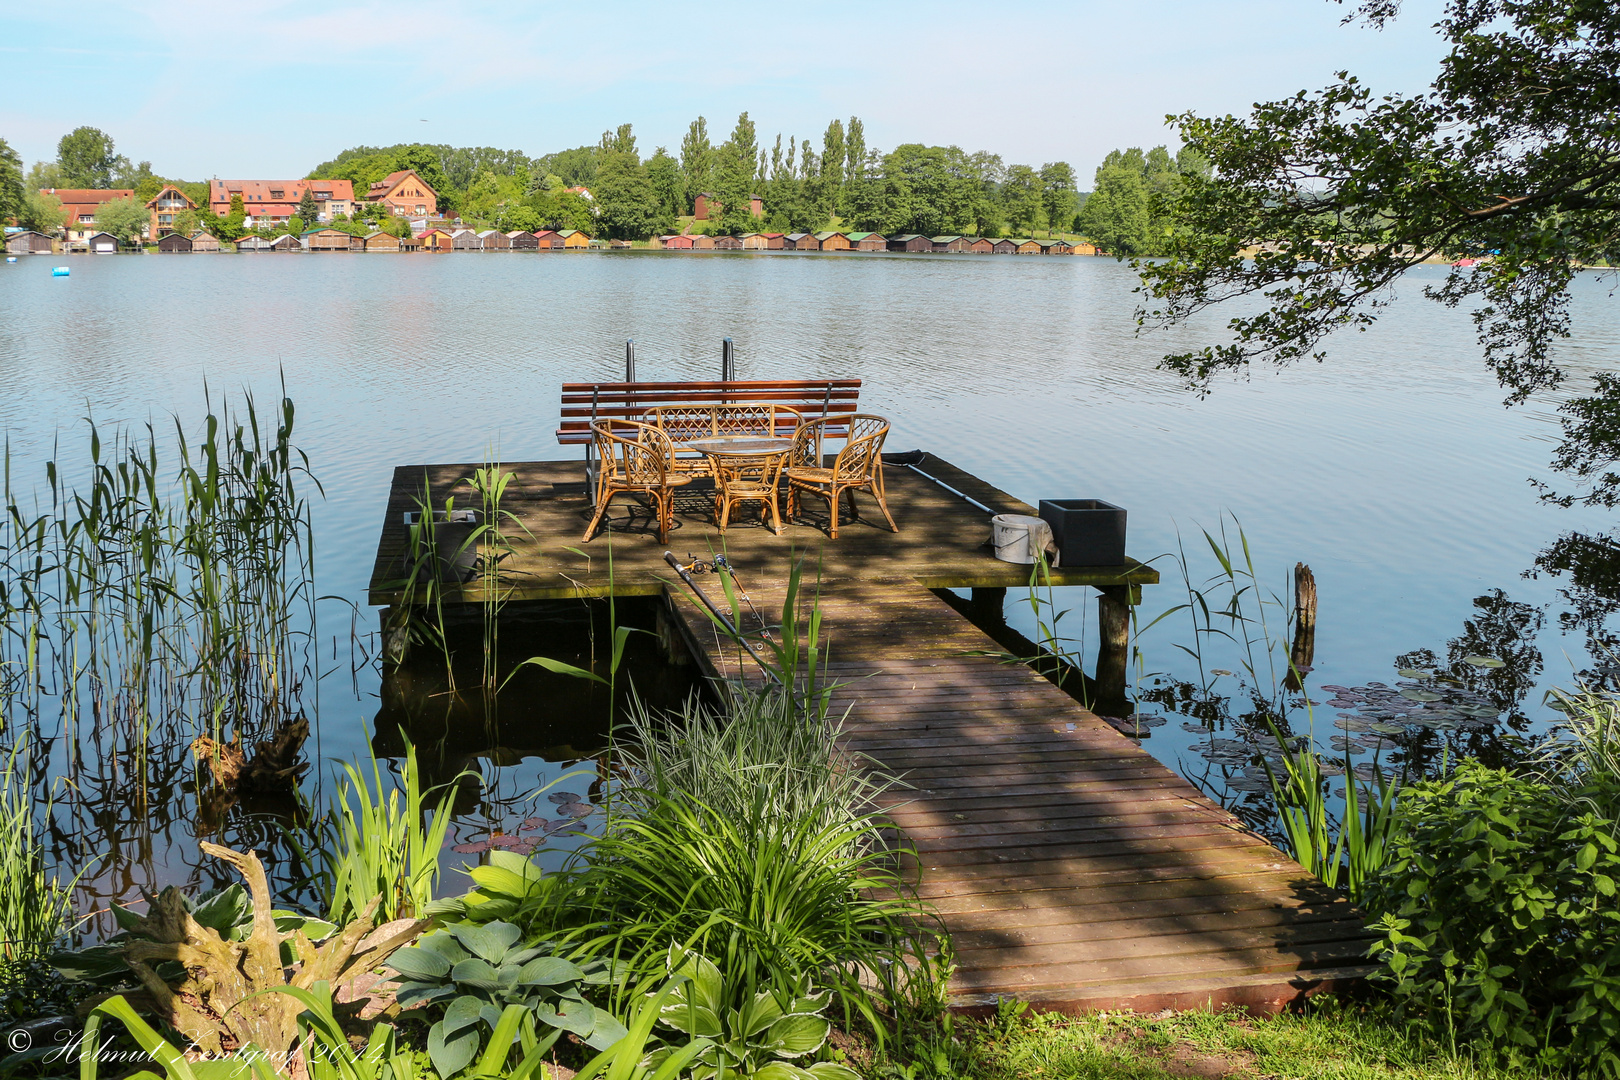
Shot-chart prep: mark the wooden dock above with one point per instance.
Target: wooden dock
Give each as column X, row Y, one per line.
column 1071, row 868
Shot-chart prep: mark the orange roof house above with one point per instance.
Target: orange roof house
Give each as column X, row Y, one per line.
column 81, row 204
column 404, row 193
column 165, row 206
column 274, row 201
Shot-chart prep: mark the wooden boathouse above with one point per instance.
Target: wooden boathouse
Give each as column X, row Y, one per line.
column 1071, row 869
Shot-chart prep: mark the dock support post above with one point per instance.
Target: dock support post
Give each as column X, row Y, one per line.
column 989, row 606
column 728, row 362
column 1113, row 647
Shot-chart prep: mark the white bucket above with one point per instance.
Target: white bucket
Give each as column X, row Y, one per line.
column 1018, row 537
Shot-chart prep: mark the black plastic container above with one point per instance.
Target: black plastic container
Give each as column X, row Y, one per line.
column 1089, row 532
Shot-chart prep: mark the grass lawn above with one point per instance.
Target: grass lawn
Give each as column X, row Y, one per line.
column 1334, row 1041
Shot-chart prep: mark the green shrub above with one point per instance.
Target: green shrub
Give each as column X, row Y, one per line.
column 1500, row 917
column 474, row 973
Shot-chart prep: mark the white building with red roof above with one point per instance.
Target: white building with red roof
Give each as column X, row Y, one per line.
column 272, row 202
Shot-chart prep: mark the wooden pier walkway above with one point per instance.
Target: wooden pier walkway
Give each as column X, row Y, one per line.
column 1071, row 868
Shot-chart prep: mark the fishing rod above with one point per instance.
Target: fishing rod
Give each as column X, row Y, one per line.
column 720, row 616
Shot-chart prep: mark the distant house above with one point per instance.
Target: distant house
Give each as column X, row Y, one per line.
column 275, row 202
column 548, row 240
column 832, row 241
column 435, row 240
column 357, row 243
column 174, row 244
column 867, row 241
column 324, row 240
column 1083, row 248
column 950, row 243
column 728, row 243
column 706, row 206
column 495, row 240
column 80, row 205
column 165, row 206
column 285, row 242
column 380, row 241
column 702, row 242
column 982, row 245
column 253, row 243
column 466, row 240
column 204, row 241
column 910, row 242
column 574, row 239
column 403, row 194
column 1005, row 247
column 101, row 243
column 1056, row 247
column 678, row 243
column 800, row 241
column 29, row 243
column 1029, row 247
column 522, row 240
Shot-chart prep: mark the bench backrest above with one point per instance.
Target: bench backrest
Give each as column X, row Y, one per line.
column 835, row 399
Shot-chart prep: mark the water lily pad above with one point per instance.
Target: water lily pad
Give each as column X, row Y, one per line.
column 471, row 849
column 1195, row 729
column 1415, row 673
column 1352, row 723
column 1484, row 661
column 1421, row 695
column 560, row 797
column 1248, row 783
column 1219, row 671
column 1389, row 729
column 576, row 809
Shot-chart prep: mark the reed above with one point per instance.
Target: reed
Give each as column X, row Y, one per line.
column 36, row 908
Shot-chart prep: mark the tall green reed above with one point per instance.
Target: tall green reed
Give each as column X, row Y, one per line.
column 36, row 908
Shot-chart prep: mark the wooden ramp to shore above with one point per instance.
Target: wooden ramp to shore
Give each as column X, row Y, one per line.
column 1071, row 868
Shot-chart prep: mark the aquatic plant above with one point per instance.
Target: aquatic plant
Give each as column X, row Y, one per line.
column 36, row 908
column 384, row 845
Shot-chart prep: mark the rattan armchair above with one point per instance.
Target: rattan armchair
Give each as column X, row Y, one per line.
column 635, row 459
column 858, row 467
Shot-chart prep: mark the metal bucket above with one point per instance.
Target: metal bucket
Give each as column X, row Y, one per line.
column 1018, row 537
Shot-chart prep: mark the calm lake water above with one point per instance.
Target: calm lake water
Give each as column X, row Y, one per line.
column 1393, row 470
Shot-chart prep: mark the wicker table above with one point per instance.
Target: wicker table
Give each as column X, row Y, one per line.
column 747, row 468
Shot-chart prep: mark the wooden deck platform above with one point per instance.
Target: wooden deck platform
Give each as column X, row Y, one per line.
column 1072, row 869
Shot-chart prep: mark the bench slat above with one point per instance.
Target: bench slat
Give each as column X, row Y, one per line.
column 815, row 398
column 806, row 385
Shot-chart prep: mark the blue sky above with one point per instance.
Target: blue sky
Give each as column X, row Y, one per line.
column 273, row 89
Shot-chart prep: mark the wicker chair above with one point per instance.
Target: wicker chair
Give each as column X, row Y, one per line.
column 748, row 479
column 635, row 459
column 858, row 466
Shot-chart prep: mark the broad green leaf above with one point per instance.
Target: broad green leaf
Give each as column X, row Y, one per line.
column 464, row 1011
column 490, row 942
column 755, row 1016
column 548, row 971
column 451, row 1055
column 416, row 962
column 828, row 1070
column 691, row 1019
column 795, row 1036
column 476, row 973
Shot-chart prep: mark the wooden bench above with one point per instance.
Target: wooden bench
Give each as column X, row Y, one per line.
column 708, row 402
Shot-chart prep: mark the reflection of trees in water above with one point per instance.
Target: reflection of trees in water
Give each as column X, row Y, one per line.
column 1590, row 565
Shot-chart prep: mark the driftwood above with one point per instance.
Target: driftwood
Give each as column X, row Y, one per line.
column 213, row 1004
column 275, row 765
column 1302, row 653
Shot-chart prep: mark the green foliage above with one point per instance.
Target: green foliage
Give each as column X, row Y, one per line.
column 1057, row 195
column 930, row 190
column 1500, row 918
column 35, row 908
column 1021, row 199
column 763, row 1037
column 328, row 1053
column 42, row 213
column 307, row 208
column 11, row 181
column 474, row 974
column 85, row 156
column 629, row 206
column 697, row 162
column 386, row 843
column 124, row 218
column 174, row 1062
column 668, row 185
column 735, row 167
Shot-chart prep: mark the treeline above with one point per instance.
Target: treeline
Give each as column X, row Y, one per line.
column 1128, row 211
column 802, row 186
column 86, row 157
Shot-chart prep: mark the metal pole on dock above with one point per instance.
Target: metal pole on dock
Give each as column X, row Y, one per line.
column 630, row 360
column 728, row 361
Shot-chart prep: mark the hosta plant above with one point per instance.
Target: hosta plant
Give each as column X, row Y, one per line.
column 474, row 972
column 767, row 1037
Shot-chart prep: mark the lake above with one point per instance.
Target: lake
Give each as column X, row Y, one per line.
column 1393, row 469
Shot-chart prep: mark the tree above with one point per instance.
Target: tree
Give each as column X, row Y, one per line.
column 1057, row 194
column 307, row 208
column 868, row 206
column 85, row 156
column 736, row 161
column 11, row 182
column 1318, row 204
column 1117, row 216
column 928, row 190
column 124, row 218
column 664, row 173
column 1021, row 199
column 829, row 183
column 42, row 213
column 854, row 168
column 625, row 199
column 697, row 161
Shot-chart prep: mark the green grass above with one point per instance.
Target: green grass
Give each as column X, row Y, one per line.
column 1334, row 1041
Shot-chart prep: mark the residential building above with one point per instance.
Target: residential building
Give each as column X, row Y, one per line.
column 404, row 194
column 165, row 206
column 81, row 204
column 272, row 202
